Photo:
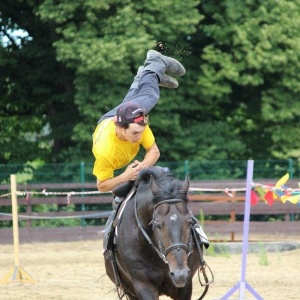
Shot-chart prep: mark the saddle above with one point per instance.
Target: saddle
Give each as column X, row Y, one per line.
column 123, row 189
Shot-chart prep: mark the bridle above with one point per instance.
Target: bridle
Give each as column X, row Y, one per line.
column 186, row 247
column 161, row 251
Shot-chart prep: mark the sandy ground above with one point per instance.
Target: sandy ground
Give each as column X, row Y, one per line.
column 76, row 271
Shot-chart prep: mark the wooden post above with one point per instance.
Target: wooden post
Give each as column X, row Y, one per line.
column 16, row 273
column 28, row 211
column 232, row 217
column 13, row 186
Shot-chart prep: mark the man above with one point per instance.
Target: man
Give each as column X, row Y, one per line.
column 121, row 131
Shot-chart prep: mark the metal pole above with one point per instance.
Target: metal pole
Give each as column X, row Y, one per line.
column 242, row 285
column 186, row 167
column 291, row 171
column 246, row 226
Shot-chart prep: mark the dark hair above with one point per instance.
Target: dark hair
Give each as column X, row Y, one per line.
column 122, row 125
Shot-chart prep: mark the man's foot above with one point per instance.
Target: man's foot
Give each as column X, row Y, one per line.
column 173, row 66
column 168, row 81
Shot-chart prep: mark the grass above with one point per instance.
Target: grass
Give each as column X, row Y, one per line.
column 263, row 257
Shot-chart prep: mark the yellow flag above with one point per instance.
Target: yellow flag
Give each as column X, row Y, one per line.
column 293, row 199
column 282, row 181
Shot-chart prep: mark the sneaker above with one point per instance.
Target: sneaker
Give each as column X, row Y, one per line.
column 173, row 66
column 168, row 82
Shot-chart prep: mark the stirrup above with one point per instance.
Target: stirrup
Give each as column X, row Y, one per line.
column 116, row 202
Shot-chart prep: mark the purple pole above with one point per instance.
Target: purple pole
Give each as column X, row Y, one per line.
column 242, row 285
column 247, row 218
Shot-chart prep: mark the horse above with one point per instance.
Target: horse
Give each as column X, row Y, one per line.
column 155, row 251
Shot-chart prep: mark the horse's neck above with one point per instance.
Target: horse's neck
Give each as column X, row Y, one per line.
column 144, row 212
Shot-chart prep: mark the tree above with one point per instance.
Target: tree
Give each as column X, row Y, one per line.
column 89, row 50
column 237, row 100
column 250, row 69
column 37, row 107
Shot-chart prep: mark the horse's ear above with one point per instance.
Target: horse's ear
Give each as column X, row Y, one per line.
column 154, row 187
column 186, row 183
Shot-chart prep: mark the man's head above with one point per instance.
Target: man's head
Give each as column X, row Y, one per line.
column 131, row 121
column 131, row 112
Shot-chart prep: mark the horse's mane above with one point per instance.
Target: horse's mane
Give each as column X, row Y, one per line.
column 168, row 187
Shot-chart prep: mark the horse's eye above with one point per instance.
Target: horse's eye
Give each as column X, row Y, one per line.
column 156, row 225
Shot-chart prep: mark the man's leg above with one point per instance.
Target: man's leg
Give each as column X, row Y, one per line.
column 166, row 81
column 145, row 87
column 130, row 93
column 144, row 92
column 164, row 64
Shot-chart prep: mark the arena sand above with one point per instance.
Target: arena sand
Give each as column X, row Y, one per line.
column 75, row 270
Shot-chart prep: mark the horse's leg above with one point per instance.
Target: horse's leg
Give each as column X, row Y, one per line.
column 145, row 291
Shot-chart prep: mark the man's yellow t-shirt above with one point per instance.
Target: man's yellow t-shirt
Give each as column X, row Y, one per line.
column 111, row 153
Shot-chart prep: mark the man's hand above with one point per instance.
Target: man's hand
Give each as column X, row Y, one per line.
column 133, row 169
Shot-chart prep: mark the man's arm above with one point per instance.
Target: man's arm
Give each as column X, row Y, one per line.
column 151, row 157
column 109, row 184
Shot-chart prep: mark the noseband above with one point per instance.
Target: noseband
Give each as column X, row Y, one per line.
column 161, row 251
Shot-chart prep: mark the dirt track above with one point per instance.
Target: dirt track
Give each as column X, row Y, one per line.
column 72, row 270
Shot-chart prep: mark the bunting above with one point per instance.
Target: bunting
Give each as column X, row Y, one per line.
column 279, row 191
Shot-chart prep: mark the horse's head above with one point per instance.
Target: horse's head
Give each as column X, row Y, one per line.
column 171, row 221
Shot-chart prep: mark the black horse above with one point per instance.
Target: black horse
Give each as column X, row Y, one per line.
column 155, row 251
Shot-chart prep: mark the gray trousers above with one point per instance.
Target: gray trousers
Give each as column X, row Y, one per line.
column 144, row 91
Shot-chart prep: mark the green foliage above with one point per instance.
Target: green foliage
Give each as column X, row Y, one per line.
column 263, row 257
column 238, row 100
column 252, row 61
column 218, row 250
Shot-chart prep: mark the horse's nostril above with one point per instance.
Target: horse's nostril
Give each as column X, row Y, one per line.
column 180, row 277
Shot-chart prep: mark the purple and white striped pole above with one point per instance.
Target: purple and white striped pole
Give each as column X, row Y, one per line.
column 242, row 285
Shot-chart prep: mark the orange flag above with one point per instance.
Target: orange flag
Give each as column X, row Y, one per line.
column 269, row 198
column 254, row 198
